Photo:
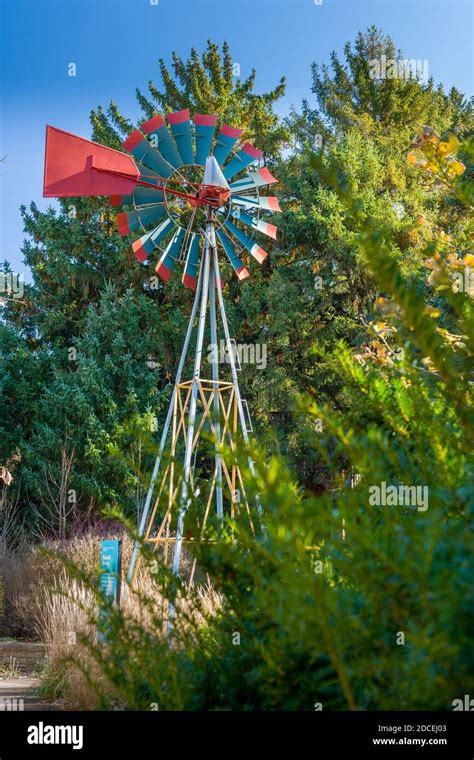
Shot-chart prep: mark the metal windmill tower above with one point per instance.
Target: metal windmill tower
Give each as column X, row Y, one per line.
column 193, row 191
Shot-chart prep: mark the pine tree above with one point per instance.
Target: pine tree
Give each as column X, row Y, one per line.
column 360, row 130
column 81, row 267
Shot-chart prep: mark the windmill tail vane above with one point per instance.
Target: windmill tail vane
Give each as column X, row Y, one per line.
column 190, row 192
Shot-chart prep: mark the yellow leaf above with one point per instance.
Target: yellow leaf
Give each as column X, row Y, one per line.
column 456, row 168
column 452, row 143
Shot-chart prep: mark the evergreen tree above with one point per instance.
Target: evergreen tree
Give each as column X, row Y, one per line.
column 360, row 130
column 81, row 267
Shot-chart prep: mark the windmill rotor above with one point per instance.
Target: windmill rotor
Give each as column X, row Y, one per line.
column 236, row 218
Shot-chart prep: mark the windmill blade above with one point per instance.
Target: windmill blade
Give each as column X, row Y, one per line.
column 258, row 253
column 149, row 175
column 168, row 259
column 257, row 178
column 128, row 221
column 256, row 224
column 226, row 140
column 161, row 139
column 189, row 277
column 139, row 196
column 204, row 128
column 236, row 263
column 265, row 203
column 145, row 153
column 246, row 156
column 144, row 246
column 180, row 123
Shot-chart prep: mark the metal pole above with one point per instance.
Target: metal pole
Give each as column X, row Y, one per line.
column 164, row 434
column 215, row 377
column 193, row 403
column 233, row 369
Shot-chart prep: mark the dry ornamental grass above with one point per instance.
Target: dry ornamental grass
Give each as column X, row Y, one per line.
column 43, row 602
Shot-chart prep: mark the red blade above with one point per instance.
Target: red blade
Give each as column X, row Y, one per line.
column 77, row 167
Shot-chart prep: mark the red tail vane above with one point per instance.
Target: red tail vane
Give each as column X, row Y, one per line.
column 77, row 167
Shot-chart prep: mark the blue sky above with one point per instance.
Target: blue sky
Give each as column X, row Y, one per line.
column 116, row 44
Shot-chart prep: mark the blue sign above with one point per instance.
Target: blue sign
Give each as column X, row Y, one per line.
column 110, row 576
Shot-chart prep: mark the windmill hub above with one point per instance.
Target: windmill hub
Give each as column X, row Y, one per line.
column 189, row 209
column 214, row 190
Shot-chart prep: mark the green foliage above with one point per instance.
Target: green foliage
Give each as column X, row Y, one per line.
column 343, row 601
column 355, row 137
column 102, row 385
column 22, row 374
column 351, row 94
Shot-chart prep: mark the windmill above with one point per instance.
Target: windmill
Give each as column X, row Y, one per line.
column 192, row 193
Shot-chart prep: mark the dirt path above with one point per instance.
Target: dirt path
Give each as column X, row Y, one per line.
column 25, row 689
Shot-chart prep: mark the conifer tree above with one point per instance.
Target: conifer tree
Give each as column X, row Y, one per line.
column 83, row 272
